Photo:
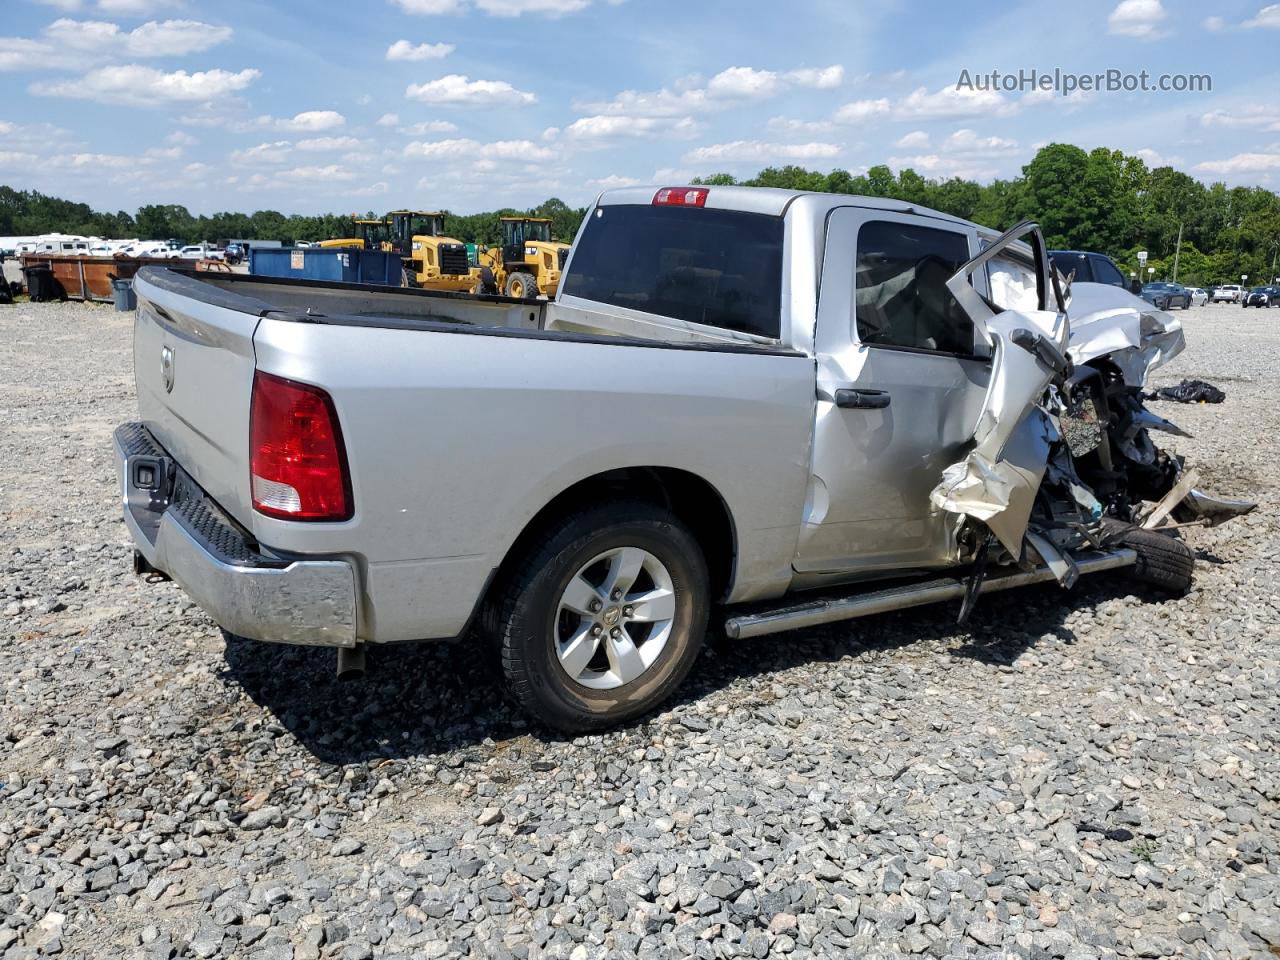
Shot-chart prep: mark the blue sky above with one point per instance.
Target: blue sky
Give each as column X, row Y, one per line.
column 474, row 104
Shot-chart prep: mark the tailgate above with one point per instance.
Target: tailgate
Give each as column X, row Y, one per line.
column 193, row 364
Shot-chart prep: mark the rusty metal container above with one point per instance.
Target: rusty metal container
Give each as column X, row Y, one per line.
column 89, row 278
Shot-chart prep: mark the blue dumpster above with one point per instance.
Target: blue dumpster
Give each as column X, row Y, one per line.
column 341, row 264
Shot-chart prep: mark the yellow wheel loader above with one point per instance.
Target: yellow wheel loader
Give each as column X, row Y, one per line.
column 431, row 260
column 529, row 262
column 366, row 234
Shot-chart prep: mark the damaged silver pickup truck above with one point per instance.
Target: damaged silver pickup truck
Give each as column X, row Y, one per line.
column 779, row 409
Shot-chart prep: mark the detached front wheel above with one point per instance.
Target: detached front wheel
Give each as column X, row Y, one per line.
column 604, row 619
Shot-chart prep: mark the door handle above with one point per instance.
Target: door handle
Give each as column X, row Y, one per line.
column 862, row 399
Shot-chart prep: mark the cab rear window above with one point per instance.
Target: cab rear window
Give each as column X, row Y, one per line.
column 721, row 268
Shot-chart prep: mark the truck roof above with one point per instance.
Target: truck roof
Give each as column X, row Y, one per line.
column 771, row 200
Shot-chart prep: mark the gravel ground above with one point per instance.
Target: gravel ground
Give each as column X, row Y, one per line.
column 1082, row 775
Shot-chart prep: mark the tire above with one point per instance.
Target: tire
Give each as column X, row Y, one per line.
column 525, row 283
column 1164, row 563
column 527, row 618
column 408, row 277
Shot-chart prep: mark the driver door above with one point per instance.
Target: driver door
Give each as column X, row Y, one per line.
column 901, row 377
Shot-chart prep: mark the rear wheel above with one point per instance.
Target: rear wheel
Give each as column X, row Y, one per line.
column 522, row 285
column 603, row 619
column 408, row 277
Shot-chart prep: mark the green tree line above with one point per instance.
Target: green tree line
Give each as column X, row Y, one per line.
column 1101, row 200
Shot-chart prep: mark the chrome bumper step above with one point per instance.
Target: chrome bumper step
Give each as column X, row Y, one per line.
column 817, row 612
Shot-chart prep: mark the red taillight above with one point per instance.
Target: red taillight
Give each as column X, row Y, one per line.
column 680, row 197
column 297, row 464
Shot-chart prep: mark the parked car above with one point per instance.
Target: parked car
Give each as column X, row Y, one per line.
column 1167, row 296
column 1260, row 297
column 1199, row 296
column 1227, row 293
column 738, row 396
column 197, row 251
column 1085, row 267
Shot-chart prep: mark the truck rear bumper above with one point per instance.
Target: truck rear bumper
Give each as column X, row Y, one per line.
column 244, row 587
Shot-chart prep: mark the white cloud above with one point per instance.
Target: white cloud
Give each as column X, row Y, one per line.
column 1071, row 102
column 427, row 127
column 604, row 127
column 70, row 6
column 1214, row 23
column 275, row 152
column 372, row 190
column 859, row 111
column 963, row 153
column 430, row 8
column 756, row 151
column 744, row 83
column 952, row 102
column 656, row 103
column 312, row 121
column 967, row 141
column 174, row 38
column 613, row 181
column 181, row 138
column 320, row 144
column 69, row 44
column 139, row 8
column 17, row 160
column 726, row 89
column 550, row 8
column 330, row 172
column 1253, row 116
column 1268, row 16
column 788, row 125
column 464, row 149
column 1150, row 157
column 404, row 50
column 825, row 78
column 1241, row 163
column 496, row 8
column 388, row 119
column 147, row 86
column 1137, row 18
column 457, row 89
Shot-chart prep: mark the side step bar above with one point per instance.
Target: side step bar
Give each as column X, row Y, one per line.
column 819, row 612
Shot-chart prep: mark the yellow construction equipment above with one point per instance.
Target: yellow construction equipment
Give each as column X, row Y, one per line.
column 529, row 262
column 366, row 234
column 432, row 260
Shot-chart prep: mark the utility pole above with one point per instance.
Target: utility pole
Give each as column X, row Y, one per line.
column 1177, row 253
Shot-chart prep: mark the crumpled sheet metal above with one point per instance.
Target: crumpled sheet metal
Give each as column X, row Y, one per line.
column 1107, row 320
column 997, row 481
column 1000, row 490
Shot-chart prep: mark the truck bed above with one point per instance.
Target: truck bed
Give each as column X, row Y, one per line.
column 462, row 417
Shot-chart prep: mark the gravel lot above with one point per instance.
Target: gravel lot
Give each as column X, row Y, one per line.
column 1083, row 775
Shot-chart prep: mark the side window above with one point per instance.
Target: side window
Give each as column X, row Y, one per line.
column 1105, row 272
column 901, row 287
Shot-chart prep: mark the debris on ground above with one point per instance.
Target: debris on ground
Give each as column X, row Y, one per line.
column 1190, row 391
